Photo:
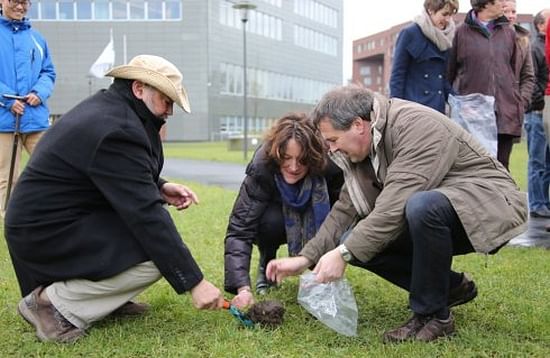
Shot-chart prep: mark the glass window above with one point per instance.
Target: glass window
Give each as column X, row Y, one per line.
column 32, row 12
column 84, row 9
column 119, row 10
column 66, row 10
column 101, row 10
column 137, row 10
column 173, row 9
column 154, row 10
column 48, row 9
column 224, row 9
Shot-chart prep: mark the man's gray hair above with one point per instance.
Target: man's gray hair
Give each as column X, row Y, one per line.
column 342, row 105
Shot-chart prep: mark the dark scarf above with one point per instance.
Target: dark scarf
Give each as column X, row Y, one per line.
column 151, row 123
column 305, row 207
column 124, row 88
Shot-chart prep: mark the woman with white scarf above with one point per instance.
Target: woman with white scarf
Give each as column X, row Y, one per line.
column 420, row 58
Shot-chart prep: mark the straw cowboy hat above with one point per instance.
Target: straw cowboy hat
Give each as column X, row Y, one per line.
column 158, row 73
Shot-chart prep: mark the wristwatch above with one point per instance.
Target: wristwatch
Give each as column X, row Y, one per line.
column 346, row 255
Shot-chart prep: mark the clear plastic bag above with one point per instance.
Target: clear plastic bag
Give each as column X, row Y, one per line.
column 331, row 303
column 475, row 112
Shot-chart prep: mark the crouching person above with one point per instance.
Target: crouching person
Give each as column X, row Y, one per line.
column 288, row 190
column 418, row 190
column 86, row 227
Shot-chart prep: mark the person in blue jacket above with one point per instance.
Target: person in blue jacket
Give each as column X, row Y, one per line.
column 26, row 69
column 420, row 58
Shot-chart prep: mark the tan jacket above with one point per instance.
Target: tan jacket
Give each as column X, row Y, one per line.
column 419, row 150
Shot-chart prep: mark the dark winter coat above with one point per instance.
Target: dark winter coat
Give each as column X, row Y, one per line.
column 88, row 203
column 257, row 192
column 419, row 70
column 485, row 63
column 541, row 73
column 525, row 74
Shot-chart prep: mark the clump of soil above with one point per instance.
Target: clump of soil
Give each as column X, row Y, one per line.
column 268, row 314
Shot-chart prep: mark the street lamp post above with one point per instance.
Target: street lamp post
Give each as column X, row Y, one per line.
column 244, row 7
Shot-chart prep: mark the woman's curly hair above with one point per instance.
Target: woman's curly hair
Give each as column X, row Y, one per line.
column 299, row 127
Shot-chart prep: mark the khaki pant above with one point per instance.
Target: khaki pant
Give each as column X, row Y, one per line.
column 27, row 141
column 83, row 302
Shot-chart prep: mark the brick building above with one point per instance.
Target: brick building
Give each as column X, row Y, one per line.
column 372, row 55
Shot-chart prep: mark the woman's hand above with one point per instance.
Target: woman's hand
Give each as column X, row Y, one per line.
column 278, row 269
column 244, row 298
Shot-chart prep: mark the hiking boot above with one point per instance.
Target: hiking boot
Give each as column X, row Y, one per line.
column 436, row 328
column 463, row 293
column 50, row 325
column 262, row 283
column 131, row 309
column 406, row 331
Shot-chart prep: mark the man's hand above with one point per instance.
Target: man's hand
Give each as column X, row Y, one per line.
column 278, row 269
column 244, row 298
column 206, row 296
column 178, row 195
column 18, row 107
column 331, row 267
column 32, row 99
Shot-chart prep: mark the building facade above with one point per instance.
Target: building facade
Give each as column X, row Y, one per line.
column 294, row 55
column 373, row 55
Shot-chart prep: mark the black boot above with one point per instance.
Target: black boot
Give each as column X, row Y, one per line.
column 262, row 283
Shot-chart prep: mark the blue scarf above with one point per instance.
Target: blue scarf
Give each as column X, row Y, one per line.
column 305, row 207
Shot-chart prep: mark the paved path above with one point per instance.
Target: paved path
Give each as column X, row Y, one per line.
column 230, row 176
column 226, row 175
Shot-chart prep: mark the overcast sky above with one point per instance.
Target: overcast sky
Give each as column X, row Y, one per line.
column 366, row 17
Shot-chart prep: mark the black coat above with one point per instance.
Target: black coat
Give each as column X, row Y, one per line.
column 541, row 72
column 88, row 203
column 258, row 192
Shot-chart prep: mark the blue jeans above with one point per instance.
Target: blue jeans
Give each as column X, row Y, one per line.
column 420, row 259
column 538, row 165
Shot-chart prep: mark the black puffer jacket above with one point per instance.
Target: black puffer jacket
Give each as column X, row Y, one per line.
column 257, row 191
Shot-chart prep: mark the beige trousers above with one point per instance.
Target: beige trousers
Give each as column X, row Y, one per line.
column 83, row 302
column 27, row 141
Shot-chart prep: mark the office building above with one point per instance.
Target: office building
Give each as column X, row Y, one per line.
column 294, row 52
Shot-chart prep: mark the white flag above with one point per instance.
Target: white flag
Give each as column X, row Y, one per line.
column 104, row 62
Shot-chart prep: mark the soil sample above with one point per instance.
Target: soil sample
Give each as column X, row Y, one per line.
column 268, row 314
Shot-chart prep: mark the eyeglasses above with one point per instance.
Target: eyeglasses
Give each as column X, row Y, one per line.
column 25, row 3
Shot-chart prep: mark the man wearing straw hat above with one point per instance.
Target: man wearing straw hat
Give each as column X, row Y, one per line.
column 85, row 226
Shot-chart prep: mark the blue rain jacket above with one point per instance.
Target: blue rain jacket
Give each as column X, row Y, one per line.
column 25, row 67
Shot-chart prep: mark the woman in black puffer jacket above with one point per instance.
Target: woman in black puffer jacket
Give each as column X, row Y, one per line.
column 288, row 190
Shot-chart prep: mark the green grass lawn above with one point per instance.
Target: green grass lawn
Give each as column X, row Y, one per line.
column 218, row 151
column 510, row 317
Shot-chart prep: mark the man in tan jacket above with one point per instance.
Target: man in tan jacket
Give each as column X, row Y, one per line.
column 418, row 190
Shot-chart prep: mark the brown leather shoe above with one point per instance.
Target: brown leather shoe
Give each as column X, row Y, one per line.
column 406, row 331
column 465, row 292
column 436, row 328
column 50, row 325
column 131, row 309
